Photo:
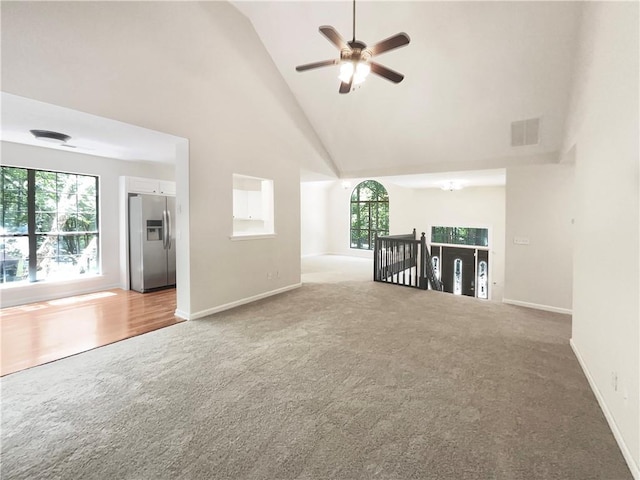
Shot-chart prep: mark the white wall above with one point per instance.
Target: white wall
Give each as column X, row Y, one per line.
column 480, row 207
column 314, row 218
column 109, row 170
column 539, row 209
column 603, row 126
column 196, row 70
column 423, row 208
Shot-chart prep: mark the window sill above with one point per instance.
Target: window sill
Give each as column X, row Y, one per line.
column 61, row 281
column 251, row 236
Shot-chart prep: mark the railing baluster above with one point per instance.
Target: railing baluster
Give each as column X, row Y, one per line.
column 404, row 262
column 375, row 259
column 411, row 253
column 386, row 266
column 393, row 261
column 399, row 260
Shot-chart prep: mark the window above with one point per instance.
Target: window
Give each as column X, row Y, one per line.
column 49, row 225
column 460, row 236
column 369, row 214
column 252, row 206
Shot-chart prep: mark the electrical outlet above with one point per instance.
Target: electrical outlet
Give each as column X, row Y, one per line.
column 614, row 381
column 269, row 275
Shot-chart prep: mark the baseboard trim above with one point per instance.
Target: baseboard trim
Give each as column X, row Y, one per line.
column 626, row 453
column 354, row 253
column 181, row 314
column 237, row 303
column 538, row 306
column 308, row 255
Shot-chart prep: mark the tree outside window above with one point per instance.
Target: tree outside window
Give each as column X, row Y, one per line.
column 460, row 236
column 369, row 214
column 49, row 225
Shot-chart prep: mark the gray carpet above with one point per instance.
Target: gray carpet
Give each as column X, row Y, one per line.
column 335, row 380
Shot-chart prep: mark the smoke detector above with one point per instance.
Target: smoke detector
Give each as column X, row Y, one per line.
column 48, row 136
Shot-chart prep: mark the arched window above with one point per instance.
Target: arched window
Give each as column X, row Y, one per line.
column 369, row 214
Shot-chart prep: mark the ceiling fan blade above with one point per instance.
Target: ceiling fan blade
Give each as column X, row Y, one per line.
column 309, row 66
column 385, row 72
column 345, row 87
column 334, row 37
column 390, row 43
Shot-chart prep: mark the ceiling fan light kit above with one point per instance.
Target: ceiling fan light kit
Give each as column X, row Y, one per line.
column 354, row 71
column 355, row 57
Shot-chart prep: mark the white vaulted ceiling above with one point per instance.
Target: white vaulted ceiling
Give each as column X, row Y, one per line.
column 470, row 70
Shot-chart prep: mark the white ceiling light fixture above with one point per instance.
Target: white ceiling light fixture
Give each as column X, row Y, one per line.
column 451, row 185
column 354, row 72
column 54, row 138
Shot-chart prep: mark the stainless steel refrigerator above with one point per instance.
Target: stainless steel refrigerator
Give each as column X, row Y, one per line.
column 152, row 252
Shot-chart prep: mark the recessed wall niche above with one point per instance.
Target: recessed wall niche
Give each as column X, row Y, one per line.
column 252, row 206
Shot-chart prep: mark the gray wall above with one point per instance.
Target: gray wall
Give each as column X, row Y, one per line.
column 539, row 208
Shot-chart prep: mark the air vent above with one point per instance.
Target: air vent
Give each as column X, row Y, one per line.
column 50, row 137
column 525, row 132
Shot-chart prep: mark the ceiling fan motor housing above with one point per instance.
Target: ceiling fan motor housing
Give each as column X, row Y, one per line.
column 357, row 52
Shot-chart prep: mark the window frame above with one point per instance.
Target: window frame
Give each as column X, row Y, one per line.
column 478, row 248
column 33, row 233
column 453, row 230
column 371, row 232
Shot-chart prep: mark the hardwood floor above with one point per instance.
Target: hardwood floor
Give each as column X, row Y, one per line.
column 41, row 332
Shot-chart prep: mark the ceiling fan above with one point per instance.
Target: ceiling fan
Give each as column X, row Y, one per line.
column 355, row 57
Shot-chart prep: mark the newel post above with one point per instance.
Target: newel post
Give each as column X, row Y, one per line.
column 375, row 256
column 423, row 262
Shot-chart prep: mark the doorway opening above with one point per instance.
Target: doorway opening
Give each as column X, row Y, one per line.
column 106, row 154
column 460, row 257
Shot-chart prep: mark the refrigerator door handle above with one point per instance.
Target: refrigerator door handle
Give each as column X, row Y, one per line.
column 169, row 229
column 165, row 226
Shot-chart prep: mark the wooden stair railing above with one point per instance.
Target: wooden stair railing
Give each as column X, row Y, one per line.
column 404, row 260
